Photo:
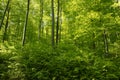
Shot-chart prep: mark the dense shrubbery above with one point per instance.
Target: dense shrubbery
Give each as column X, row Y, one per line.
column 44, row 63
column 3, row 65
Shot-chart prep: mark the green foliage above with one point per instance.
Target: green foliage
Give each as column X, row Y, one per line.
column 44, row 63
column 88, row 49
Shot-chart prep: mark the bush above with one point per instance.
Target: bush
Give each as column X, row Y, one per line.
column 45, row 63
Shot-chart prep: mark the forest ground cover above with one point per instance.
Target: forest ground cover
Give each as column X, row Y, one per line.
column 65, row 62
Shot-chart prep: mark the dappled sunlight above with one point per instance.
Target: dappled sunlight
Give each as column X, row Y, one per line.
column 59, row 40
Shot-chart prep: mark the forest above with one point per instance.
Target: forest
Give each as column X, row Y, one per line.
column 59, row 39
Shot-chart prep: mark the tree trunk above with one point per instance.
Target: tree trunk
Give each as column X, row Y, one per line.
column 4, row 14
column 41, row 19
column 5, row 37
column 105, row 43
column 60, row 25
column 57, row 26
column 94, row 45
column 25, row 25
column 117, row 34
column 53, row 22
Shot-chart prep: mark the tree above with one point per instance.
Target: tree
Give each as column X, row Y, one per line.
column 53, row 22
column 25, row 25
column 57, row 26
column 7, row 6
column 5, row 36
column 40, row 29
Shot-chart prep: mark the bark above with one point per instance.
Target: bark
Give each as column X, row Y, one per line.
column 25, row 25
column 60, row 25
column 41, row 19
column 94, row 45
column 6, row 26
column 47, row 31
column 53, row 22
column 105, row 43
column 4, row 13
column 57, row 26
column 117, row 34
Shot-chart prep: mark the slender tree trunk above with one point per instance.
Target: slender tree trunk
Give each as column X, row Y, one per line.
column 42, row 30
column 94, row 45
column 25, row 25
column 60, row 27
column 4, row 13
column 41, row 19
column 105, row 43
column 17, row 30
column 117, row 34
column 6, row 26
column 47, row 31
column 57, row 26
column 53, row 22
